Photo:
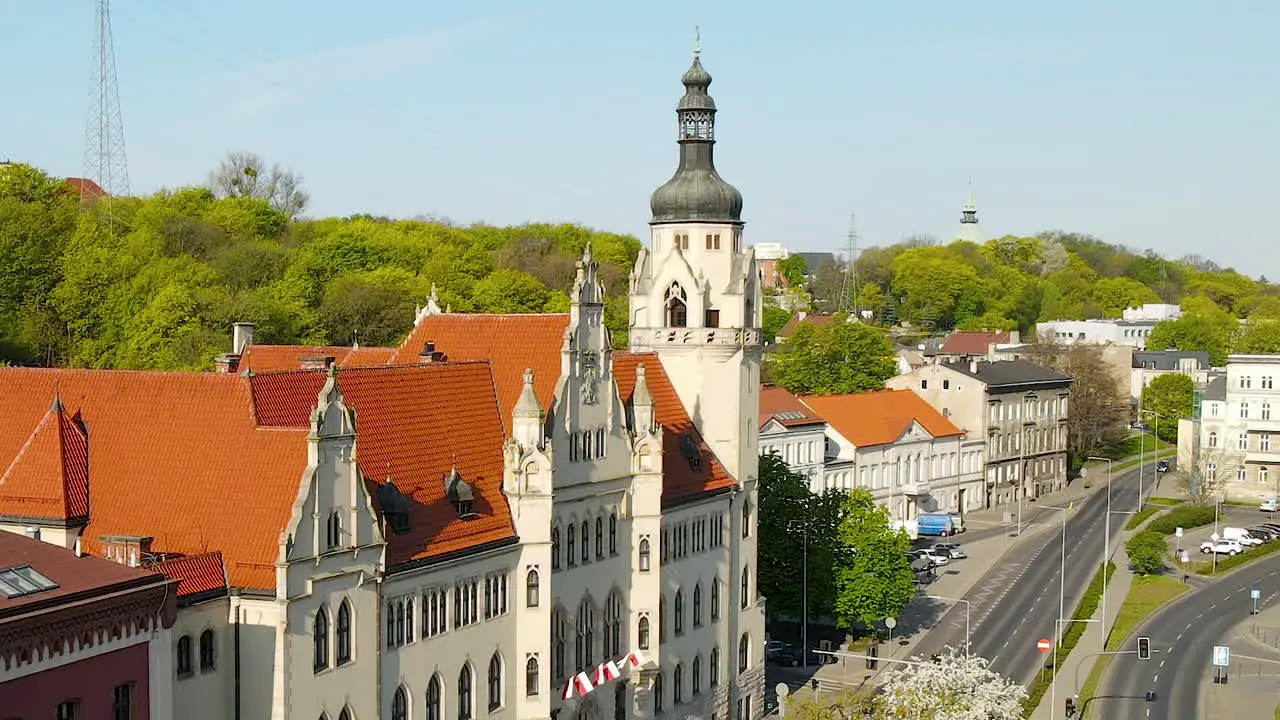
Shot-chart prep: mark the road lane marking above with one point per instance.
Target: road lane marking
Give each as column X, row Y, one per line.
column 1156, row 678
column 1161, row 663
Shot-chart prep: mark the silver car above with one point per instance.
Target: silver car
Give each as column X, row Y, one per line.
column 948, row 550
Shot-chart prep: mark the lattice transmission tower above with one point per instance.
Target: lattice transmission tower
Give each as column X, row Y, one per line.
column 104, row 157
column 849, row 285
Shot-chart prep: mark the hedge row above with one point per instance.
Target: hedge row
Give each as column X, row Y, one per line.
column 1141, row 516
column 1183, row 516
column 1084, row 611
column 1205, row 567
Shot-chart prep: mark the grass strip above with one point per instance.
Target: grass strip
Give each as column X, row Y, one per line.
column 1085, row 610
column 1168, row 452
column 1141, row 516
column 1147, row 594
column 1205, row 567
column 1166, row 502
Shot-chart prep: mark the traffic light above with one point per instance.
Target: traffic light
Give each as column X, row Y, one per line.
column 1144, row 648
column 1071, row 707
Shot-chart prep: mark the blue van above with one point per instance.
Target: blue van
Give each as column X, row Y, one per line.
column 936, row 524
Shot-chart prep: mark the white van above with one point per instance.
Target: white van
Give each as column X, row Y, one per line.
column 1240, row 535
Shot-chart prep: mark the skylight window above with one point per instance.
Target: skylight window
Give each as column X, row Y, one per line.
column 19, row 581
column 789, row 415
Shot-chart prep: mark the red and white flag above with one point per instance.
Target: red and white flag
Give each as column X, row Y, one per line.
column 635, row 658
column 580, row 684
column 607, row 671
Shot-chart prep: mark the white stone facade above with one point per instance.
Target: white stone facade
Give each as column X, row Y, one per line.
column 1240, row 429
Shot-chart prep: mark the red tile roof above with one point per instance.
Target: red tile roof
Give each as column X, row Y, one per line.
column 679, row 479
column 49, row 477
column 86, row 188
column 972, row 343
column 510, row 343
column 270, row 358
column 798, row 318
column 415, row 423
column 167, row 452
column 195, row 574
column 778, row 404
column 72, row 574
column 878, row 418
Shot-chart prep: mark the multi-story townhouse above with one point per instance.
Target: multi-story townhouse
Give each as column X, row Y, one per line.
column 793, row 432
column 1239, row 429
column 893, row 443
column 1021, row 409
column 1147, row 365
column 460, row 526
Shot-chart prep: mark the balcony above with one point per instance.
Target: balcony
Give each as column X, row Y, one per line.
column 1265, row 457
column 915, row 488
column 696, row 336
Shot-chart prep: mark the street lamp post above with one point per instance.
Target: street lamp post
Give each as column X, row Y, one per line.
column 804, row 590
column 1142, row 446
column 966, row 616
column 1053, row 684
column 1106, row 534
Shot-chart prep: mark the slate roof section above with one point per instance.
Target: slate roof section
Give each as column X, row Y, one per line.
column 48, row 479
column 972, row 343
column 778, row 404
column 73, row 575
column 680, row 481
column 167, row 452
column 1010, row 373
column 511, row 343
column 414, row 424
column 1168, row 359
column 196, row 574
column 1216, row 389
column 880, row 418
column 275, row 358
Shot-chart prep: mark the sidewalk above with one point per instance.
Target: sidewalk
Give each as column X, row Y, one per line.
column 1253, row 686
column 1076, row 668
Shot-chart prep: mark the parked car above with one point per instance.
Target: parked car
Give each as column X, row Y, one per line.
column 1269, row 505
column 1271, row 533
column 921, row 560
column 937, row 556
column 772, row 648
column 1221, row 547
column 1261, row 535
column 1162, row 466
column 1239, row 535
column 790, row 656
column 950, row 550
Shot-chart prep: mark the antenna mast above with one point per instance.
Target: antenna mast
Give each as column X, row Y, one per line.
column 104, row 156
column 849, row 288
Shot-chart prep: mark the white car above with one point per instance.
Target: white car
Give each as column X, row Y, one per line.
column 1269, row 505
column 1221, row 547
column 938, row 557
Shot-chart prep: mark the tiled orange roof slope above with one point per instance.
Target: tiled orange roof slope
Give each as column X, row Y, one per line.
column 273, row 358
column 778, row 404
column 878, row 418
column 510, row 343
column 78, row 576
column 788, row 329
column 972, row 343
column 679, row 479
column 414, row 423
column 196, row 574
column 49, row 476
column 173, row 456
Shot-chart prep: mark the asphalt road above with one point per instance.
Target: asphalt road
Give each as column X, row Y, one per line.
column 1017, row 602
column 1184, row 633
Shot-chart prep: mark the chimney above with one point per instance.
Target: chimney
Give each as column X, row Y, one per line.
column 973, row 366
column 429, row 353
column 1015, row 337
column 316, row 362
column 32, row 532
column 125, row 549
column 226, row 363
column 241, row 337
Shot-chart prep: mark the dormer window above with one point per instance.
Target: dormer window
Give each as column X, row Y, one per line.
column 395, row 507
column 461, row 495
column 692, row 454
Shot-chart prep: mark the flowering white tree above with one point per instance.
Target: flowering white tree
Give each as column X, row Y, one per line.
column 955, row 687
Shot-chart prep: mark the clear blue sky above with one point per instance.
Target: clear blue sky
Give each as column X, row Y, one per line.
column 1147, row 122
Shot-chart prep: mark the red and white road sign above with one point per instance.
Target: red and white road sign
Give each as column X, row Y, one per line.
column 1043, row 645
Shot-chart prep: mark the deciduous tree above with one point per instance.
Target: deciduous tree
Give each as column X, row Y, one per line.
column 955, row 687
column 837, row 357
column 874, row 580
column 246, row 174
column 794, row 270
column 1172, row 396
column 1147, row 552
column 772, row 320
column 790, row 515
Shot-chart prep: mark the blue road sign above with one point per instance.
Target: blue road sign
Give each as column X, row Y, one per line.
column 1221, row 656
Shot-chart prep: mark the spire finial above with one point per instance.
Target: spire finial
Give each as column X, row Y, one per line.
column 697, row 41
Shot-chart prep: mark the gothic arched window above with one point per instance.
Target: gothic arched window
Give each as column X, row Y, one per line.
column 677, row 306
column 320, row 640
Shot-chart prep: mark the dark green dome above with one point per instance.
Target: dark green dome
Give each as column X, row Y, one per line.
column 696, row 193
